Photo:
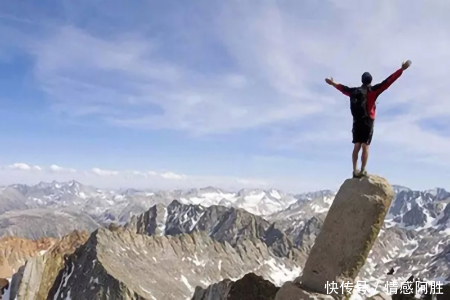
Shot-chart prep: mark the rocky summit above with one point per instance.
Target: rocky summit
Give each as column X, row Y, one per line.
column 343, row 244
column 342, row 247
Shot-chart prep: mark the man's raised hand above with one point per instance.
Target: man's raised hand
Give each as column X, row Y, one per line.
column 406, row 65
column 329, row 81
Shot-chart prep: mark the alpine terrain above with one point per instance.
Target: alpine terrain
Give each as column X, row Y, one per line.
column 65, row 240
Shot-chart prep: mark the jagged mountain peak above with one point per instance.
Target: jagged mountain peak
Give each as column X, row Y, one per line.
column 58, row 184
column 125, row 263
column 400, row 188
column 439, row 193
column 224, row 224
column 211, row 189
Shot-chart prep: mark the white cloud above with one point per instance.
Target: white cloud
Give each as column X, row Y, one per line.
column 128, row 179
column 58, row 169
column 297, row 53
column 20, row 166
column 171, row 175
column 137, row 173
column 55, row 168
column 28, row 167
column 134, row 82
column 101, row 172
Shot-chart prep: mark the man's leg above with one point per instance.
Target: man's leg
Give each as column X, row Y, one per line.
column 356, row 148
column 356, row 132
column 365, row 146
column 364, row 157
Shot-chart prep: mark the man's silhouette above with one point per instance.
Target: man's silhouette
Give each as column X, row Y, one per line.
column 363, row 106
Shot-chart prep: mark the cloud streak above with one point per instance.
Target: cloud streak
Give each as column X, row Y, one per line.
column 278, row 62
column 24, row 172
column 22, row 167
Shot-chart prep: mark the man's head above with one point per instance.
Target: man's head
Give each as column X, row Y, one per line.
column 366, row 78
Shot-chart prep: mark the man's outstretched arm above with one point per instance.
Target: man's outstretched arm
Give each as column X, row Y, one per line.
column 340, row 87
column 381, row 87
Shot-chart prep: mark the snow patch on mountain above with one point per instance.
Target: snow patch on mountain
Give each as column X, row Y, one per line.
column 280, row 274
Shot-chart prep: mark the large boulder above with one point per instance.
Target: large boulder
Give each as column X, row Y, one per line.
column 348, row 233
column 250, row 287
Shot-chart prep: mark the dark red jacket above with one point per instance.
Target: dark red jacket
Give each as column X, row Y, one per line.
column 373, row 92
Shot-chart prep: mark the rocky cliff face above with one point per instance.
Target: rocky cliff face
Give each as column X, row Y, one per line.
column 14, row 252
column 151, row 222
column 307, row 236
column 126, row 265
column 34, row 280
column 221, row 223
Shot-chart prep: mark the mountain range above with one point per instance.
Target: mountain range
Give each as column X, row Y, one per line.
column 269, row 232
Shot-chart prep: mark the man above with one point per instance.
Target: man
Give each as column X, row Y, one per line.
column 363, row 107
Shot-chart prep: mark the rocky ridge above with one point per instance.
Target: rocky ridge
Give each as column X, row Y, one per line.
column 223, row 224
column 34, row 280
column 124, row 265
column 15, row 251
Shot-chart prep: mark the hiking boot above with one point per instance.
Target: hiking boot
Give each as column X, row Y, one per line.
column 356, row 174
column 363, row 173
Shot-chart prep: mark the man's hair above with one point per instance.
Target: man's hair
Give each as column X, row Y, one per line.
column 366, row 78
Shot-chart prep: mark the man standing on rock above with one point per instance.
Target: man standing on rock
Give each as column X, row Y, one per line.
column 363, row 105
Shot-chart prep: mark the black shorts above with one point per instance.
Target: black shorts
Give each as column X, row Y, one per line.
column 363, row 131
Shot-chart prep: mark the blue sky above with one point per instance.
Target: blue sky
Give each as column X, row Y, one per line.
column 176, row 94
